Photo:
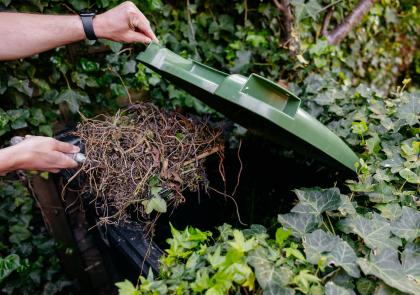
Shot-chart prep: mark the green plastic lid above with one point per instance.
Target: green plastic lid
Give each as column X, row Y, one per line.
column 253, row 102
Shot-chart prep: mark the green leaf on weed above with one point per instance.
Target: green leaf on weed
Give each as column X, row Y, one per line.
column 407, row 226
column 338, row 252
column 375, row 232
column 333, row 289
column 299, row 223
column 385, row 265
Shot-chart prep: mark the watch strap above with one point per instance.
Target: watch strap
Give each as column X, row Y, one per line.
column 87, row 21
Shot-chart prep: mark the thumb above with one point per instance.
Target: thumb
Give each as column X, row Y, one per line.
column 133, row 36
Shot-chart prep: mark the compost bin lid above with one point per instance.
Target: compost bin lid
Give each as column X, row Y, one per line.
column 255, row 103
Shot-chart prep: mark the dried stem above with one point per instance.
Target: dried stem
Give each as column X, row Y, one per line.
column 284, row 7
column 349, row 22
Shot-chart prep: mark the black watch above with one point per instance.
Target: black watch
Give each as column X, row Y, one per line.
column 87, row 21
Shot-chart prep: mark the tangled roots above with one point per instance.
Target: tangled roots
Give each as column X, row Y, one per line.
column 141, row 160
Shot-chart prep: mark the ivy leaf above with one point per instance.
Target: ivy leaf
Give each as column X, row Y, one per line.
column 73, row 99
column 256, row 40
column 346, row 207
column 365, row 286
column 19, row 233
column 156, row 203
column 343, row 255
column 387, row 290
column 316, row 201
column 89, row 66
column 409, row 176
column 4, row 118
column 318, row 243
column 410, row 259
column 18, row 118
column 37, row 117
column 407, row 226
column 115, row 46
column 269, row 276
column 375, row 232
column 299, row 223
column 277, row 290
column 282, row 235
column 372, row 144
column 215, row 259
column 382, row 193
column 240, row 244
column 333, row 289
column 396, row 163
column 127, row 288
column 242, row 60
column 80, row 79
column 22, row 86
column 45, row 130
column 338, row 252
column 304, row 280
column 129, row 67
column 409, row 111
column 386, row 266
column 202, row 281
column 7, row 265
column 389, row 211
column 302, row 9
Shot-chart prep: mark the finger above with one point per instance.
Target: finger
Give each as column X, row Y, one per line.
column 62, row 161
column 138, row 37
column 65, row 147
column 147, row 30
column 140, row 22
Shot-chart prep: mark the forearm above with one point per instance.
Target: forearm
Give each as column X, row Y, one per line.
column 23, row 34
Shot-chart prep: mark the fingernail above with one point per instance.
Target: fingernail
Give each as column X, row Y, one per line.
column 75, row 149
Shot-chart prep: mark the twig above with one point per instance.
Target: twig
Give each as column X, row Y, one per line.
column 326, row 22
column 349, row 22
column 328, row 6
column 245, row 11
column 284, row 7
column 240, row 168
column 234, row 201
column 123, row 84
column 204, row 155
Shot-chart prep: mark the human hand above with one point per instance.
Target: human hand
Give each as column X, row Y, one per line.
column 39, row 153
column 124, row 23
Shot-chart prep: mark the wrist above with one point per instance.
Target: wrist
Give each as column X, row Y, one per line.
column 10, row 159
column 99, row 26
column 76, row 24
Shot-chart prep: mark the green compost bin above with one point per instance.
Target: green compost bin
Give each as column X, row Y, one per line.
column 254, row 102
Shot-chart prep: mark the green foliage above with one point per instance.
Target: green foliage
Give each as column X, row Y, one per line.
column 234, row 259
column 7, row 265
column 330, row 242
column 29, row 263
column 240, row 38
